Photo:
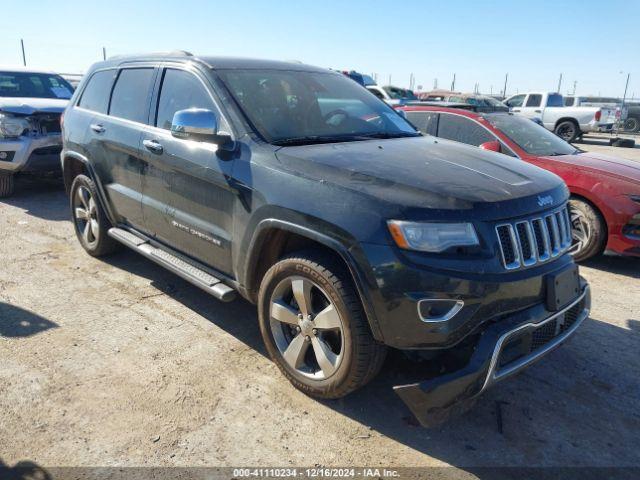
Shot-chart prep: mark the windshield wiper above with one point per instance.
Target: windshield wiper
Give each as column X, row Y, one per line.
column 310, row 139
column 390, row 135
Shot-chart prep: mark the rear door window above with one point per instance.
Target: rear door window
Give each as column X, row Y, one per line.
column 426, row 122
column 461, row 129
column 95, row 96
column 130, row 99
column 534, row 100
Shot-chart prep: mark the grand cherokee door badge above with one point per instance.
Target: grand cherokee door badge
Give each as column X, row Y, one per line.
column 197, row 233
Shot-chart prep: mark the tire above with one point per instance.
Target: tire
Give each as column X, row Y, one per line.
column 337, row 322
column 588, row 230
column 91, row 227
column 624, row 143
column 7, row 185
column 568, row 130
column 632, row 124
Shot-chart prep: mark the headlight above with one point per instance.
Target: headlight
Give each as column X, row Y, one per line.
column 12, row 126
column 432, row 237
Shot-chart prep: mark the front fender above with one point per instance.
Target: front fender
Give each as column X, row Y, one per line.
column 329, row 236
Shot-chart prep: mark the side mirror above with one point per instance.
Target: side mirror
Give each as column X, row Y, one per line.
column 493, row 146
column 198, row 124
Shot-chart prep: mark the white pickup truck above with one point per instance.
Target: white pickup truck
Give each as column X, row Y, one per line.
column 568, row 123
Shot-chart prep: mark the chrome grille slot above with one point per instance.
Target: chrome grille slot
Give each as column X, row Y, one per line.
column 528, row 242
column 525, row 240
column 542, row 239
column 508, row 246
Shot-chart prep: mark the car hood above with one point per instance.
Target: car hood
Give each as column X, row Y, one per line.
column 604, row 164
column 424, row 172
column 29, row 106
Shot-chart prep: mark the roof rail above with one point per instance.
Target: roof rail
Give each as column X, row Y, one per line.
column 173, row 53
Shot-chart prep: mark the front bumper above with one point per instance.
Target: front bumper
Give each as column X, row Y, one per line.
column 31, row 154
column 503, row 349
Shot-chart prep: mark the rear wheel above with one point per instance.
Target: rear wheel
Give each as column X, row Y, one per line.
column 588, row 230
column 568, row 130
column 89, row 220
column 6, row 185
column 314, row 327
column 632, row 124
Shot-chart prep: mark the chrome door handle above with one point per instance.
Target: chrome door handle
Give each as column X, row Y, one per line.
column 538, row 111
column 96, row 127
column 153, row 146
column 516, row 109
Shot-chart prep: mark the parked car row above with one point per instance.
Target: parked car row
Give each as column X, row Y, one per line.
column 355, row 227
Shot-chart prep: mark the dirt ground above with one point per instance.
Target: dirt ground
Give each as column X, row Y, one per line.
column 119, row 362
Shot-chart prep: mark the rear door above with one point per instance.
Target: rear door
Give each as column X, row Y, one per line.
column 115, row 142
column 532, row 107
column 187, row 201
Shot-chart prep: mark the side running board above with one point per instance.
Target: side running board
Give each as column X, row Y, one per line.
column 191, row 274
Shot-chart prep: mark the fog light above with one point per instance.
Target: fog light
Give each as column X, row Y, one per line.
column 438, row 310
column 3, row 155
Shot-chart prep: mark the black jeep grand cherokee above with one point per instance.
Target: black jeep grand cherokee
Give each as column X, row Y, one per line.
column 299, row 189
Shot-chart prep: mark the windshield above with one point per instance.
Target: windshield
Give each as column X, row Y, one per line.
column 531, row 137
column 34, row 85
column 293, row 107
column 400, row 93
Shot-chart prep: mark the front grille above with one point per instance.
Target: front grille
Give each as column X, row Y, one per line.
column 52, row 150
column 50, row 125
column 45, row 124
column 535, row 240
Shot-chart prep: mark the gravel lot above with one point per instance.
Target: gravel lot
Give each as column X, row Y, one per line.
column 118, row 362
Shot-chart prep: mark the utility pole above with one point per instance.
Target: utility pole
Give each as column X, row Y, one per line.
column 435, row 83
column 24, row 58
column 104, row 53
column 575, row 82
column 559, row 83
column 389, row 80
column 624, row 97
column 504, row 92
column 491, row 90
column 453, row 83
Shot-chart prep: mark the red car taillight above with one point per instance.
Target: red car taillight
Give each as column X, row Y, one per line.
column 598, row 115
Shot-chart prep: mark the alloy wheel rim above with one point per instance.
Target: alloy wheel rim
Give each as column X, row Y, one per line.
column 86, row 216
column 306, row 328
column 580, row 231
column 566, row 132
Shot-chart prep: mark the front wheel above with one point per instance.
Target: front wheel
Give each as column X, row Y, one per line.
column 6, row 185
column 588, row 230
column 314, row 328
column 568, row 131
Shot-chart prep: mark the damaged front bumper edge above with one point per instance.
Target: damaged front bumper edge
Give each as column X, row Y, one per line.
column 436, row 400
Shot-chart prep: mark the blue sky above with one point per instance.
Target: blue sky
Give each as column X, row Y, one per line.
column 590, row 42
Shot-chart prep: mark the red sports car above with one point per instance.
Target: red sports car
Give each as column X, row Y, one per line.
column 605, row 191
